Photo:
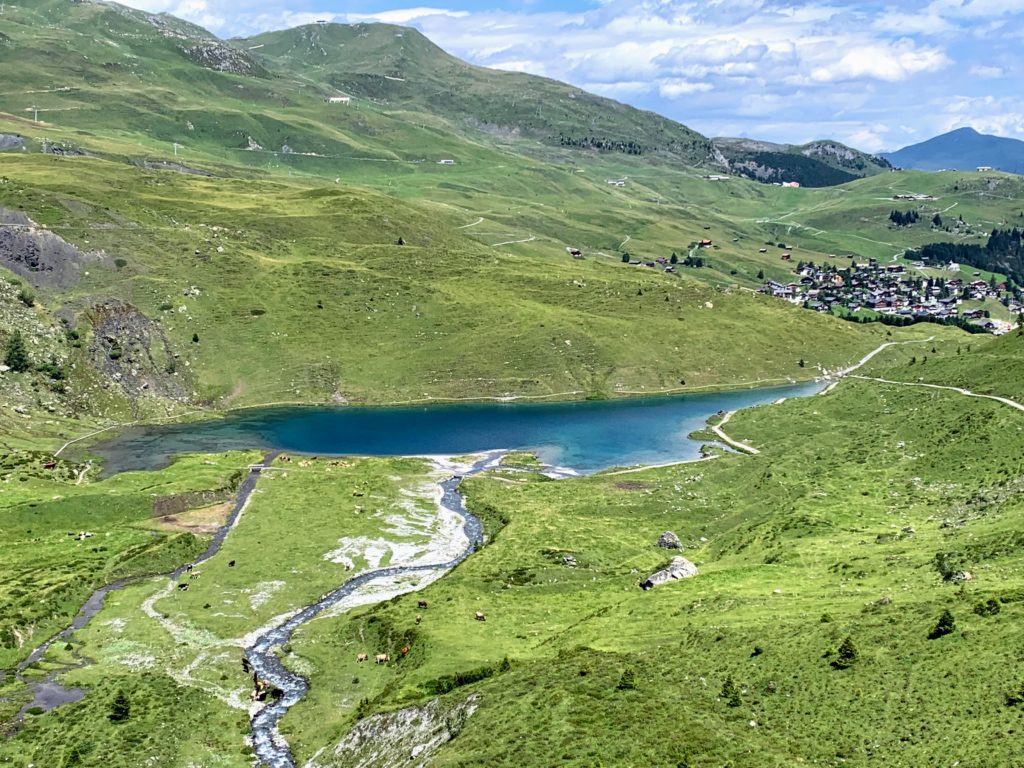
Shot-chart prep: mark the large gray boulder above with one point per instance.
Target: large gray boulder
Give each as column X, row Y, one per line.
column 679, row 568
column 669, row 540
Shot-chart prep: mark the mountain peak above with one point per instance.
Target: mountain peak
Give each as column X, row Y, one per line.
column 963, row 149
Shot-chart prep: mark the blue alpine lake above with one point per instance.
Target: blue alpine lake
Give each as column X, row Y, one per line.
column 585, row 436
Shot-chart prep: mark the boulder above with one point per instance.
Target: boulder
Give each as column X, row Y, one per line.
column 679, row 568
column 669, row 540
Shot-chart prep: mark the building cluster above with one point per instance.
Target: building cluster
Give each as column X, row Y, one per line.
column 889, row 289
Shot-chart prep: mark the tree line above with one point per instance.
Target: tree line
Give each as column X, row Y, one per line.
column 1004, row 252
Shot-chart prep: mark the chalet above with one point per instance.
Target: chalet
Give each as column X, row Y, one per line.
column 704, row 244
column 446, row 162
column 787, row 257
column 339, row 99
column 984, row 169
column 791, row 184
column 763, row 250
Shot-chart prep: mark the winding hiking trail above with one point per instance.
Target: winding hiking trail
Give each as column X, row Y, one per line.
column 958, row 390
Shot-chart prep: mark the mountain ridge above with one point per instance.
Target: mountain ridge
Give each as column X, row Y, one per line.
column 962, row 149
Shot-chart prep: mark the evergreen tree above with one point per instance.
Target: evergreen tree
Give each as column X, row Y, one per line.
column 847, row 655
column 760, row 274
column 120, row 708
column 16, row 357
column 674, row 259
column 944, row 626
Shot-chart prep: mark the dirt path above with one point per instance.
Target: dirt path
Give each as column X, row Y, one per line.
column 870, row 355
column 958, row 390
column 529, row 239
column 717, row 429
column 467, row 226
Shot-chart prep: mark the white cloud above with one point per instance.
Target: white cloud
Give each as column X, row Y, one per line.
column 673, row 89
column 986, row 71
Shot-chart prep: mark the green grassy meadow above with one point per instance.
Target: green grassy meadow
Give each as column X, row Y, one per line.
column 238, row 241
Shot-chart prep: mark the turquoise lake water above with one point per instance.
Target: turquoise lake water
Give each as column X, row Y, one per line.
column 584, row 436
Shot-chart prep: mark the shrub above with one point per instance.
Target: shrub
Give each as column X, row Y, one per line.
column 1015, row 697
column 26, row 297
column 945, row 626
column 731, row 692
column 195, row 338
column 847, row 655
column 628, row 680
column 988, row 607
column 120, row 263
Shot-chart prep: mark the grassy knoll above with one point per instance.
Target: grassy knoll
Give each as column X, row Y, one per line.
column 831, row 532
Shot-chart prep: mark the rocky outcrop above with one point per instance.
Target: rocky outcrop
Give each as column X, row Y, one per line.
column 408, row 737
column 164, row 165
column 679, row 568
column 669, row 540
column 133, row 351
column 40, row 256
column 218, row 56
column 9, row 141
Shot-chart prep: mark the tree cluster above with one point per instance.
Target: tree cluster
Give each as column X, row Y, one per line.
column 904, row 218
column 601, row 144
column 1004, row 252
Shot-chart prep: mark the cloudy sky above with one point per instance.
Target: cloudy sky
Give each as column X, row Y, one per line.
column 877, row 75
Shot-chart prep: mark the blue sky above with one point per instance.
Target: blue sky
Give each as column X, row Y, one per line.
column 877, row 75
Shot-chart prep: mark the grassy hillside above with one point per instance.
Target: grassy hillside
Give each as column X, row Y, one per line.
column 400, row 68
column 224, row 292
column 850, row 524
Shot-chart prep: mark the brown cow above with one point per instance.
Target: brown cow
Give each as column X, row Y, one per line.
column 418, row 618
column 480, row 617
column 421, row 604
column 382, row 658
column 363, row 657
column 405, row 649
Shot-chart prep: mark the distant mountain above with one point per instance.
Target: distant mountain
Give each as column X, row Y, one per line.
column 962, row 150
column 817, row 164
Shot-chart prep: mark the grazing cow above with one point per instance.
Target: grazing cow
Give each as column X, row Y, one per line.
column 195, row 574
column 480, row 617
column 418, row 618
column 421, row 604
column 183, row 587
column 231, row 563
column 363, row 657
column 189, row 567
column 382, row 658
column 405, row 649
